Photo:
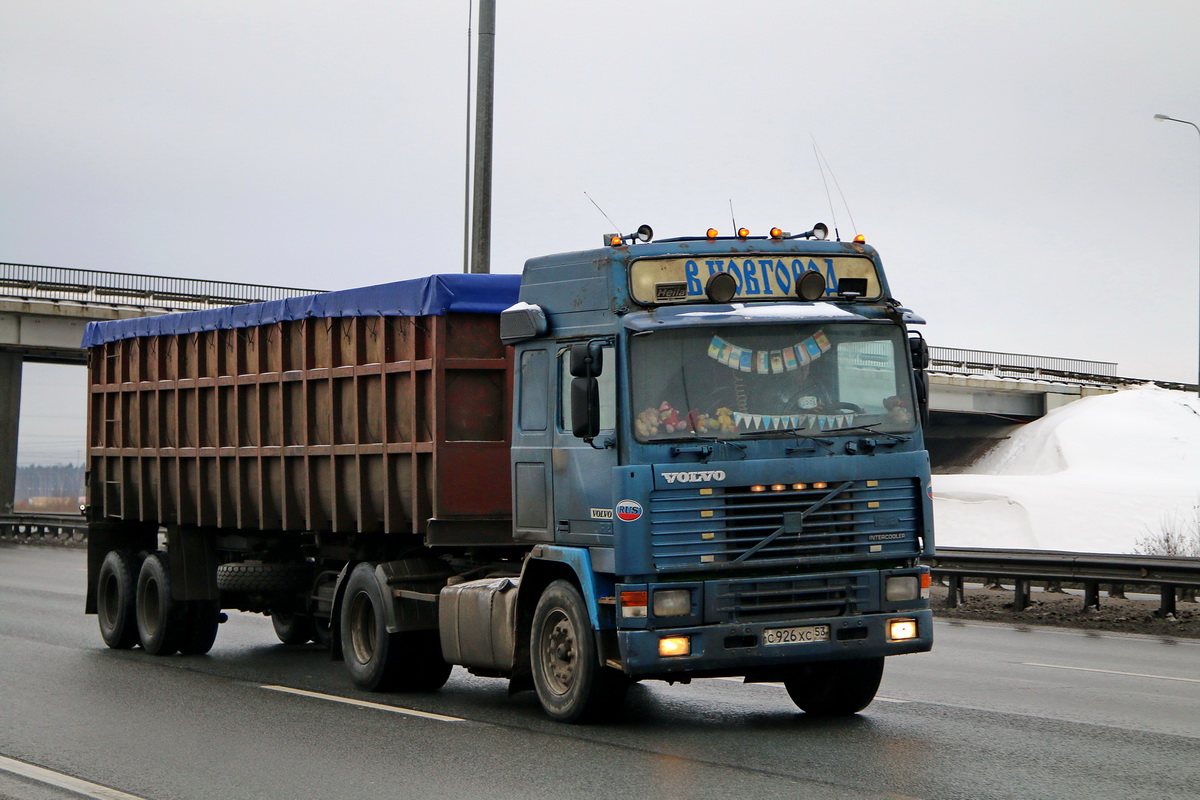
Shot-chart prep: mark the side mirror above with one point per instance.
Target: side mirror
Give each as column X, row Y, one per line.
column 919, row 349
column 585, row 406
column 587, row 359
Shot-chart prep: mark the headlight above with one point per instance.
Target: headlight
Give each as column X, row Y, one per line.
column 902, row 588
column 672, row 602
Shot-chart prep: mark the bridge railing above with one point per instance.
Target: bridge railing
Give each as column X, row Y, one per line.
column 986, row 361
column 126, row 288
column 959, row 361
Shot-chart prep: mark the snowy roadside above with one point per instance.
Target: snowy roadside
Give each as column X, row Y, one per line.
column 1099, row 475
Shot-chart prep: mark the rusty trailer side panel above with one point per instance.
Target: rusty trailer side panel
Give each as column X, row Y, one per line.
column 343, row 424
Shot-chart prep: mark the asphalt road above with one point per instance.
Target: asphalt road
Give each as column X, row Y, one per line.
column 994, row 712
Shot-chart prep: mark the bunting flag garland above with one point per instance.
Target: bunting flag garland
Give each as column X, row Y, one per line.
column 773, row 422
column 769, row 362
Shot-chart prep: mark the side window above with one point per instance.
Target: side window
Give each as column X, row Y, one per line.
column 533, row 376
column 867, row 373
column 608, row 390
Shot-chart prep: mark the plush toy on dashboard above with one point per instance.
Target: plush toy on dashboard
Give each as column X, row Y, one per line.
column 669, row 418
column 896, row 411
column 646, row 423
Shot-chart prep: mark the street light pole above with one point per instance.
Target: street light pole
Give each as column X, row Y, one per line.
column 1165, row 118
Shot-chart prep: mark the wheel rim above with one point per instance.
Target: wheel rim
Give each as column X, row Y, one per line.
column 558, row 652
column 362, row 628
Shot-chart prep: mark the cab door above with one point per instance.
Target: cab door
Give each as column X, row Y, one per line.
column 583, row 499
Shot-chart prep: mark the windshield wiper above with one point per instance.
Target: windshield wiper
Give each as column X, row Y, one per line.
column 871, row 426
column 695, row 437
column 826, row 443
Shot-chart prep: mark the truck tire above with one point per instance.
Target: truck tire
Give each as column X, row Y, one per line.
column 252, row 578
column 160, row 619
column 116, row 587
column 835, row 688
column 570, row 683
column 292, row 628
column 378, row 661
column 201, row 618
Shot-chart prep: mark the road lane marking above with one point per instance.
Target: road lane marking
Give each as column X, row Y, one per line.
column 82, row 787
column 1112, row 672
column 333, row 698
column 1026, row 627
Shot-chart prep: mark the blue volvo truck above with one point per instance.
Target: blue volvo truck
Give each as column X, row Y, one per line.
column 656, row 460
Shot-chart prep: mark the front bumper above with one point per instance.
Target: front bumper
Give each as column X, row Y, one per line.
column 739, row 649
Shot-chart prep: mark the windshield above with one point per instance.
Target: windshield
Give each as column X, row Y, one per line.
column 731, row 382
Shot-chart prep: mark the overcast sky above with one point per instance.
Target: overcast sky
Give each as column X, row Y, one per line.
column 1001, row 155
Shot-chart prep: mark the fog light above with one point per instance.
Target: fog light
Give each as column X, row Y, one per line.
column 672, row 602
column 902, row 588
column 675, row 646
column 899, row 630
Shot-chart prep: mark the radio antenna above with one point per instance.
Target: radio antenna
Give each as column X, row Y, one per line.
column 601, row 210
column 828, row 196
column 821, row 158
column 732, row 219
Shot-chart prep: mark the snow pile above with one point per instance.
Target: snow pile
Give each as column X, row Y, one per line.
column 1094, row 476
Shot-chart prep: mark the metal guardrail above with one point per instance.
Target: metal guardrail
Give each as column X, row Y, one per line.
column 126, row 288
column 955, row 564
column 64, row 529
column 1168, row 573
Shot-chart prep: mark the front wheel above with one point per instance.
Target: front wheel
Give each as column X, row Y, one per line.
column 570, row 683
column 835, row 688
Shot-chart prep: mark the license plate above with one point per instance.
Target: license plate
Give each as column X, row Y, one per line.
column 798, row 635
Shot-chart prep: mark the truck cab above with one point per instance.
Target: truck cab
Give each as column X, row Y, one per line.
column 717, row 444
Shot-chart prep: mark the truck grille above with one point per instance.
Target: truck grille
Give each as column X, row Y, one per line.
column 844, row 521
column 764, row 599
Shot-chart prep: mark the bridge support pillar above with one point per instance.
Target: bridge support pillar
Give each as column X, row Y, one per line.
column 10, row 412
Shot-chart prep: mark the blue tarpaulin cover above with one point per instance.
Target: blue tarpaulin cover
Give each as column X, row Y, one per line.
column 431, row 296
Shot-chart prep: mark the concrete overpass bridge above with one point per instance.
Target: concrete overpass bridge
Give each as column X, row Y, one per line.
column 976, row 397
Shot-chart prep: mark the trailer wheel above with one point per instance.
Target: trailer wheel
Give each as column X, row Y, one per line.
column 199, row 632
column 160, row 619
column 116, row 599
column 292, row 628
column 835, row 688
column 570, row 683
column 379, row 661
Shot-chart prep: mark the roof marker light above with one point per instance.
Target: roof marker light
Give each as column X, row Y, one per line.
column 776, row 233
column 860, row 239
column 712, row 233
column 743, row 233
